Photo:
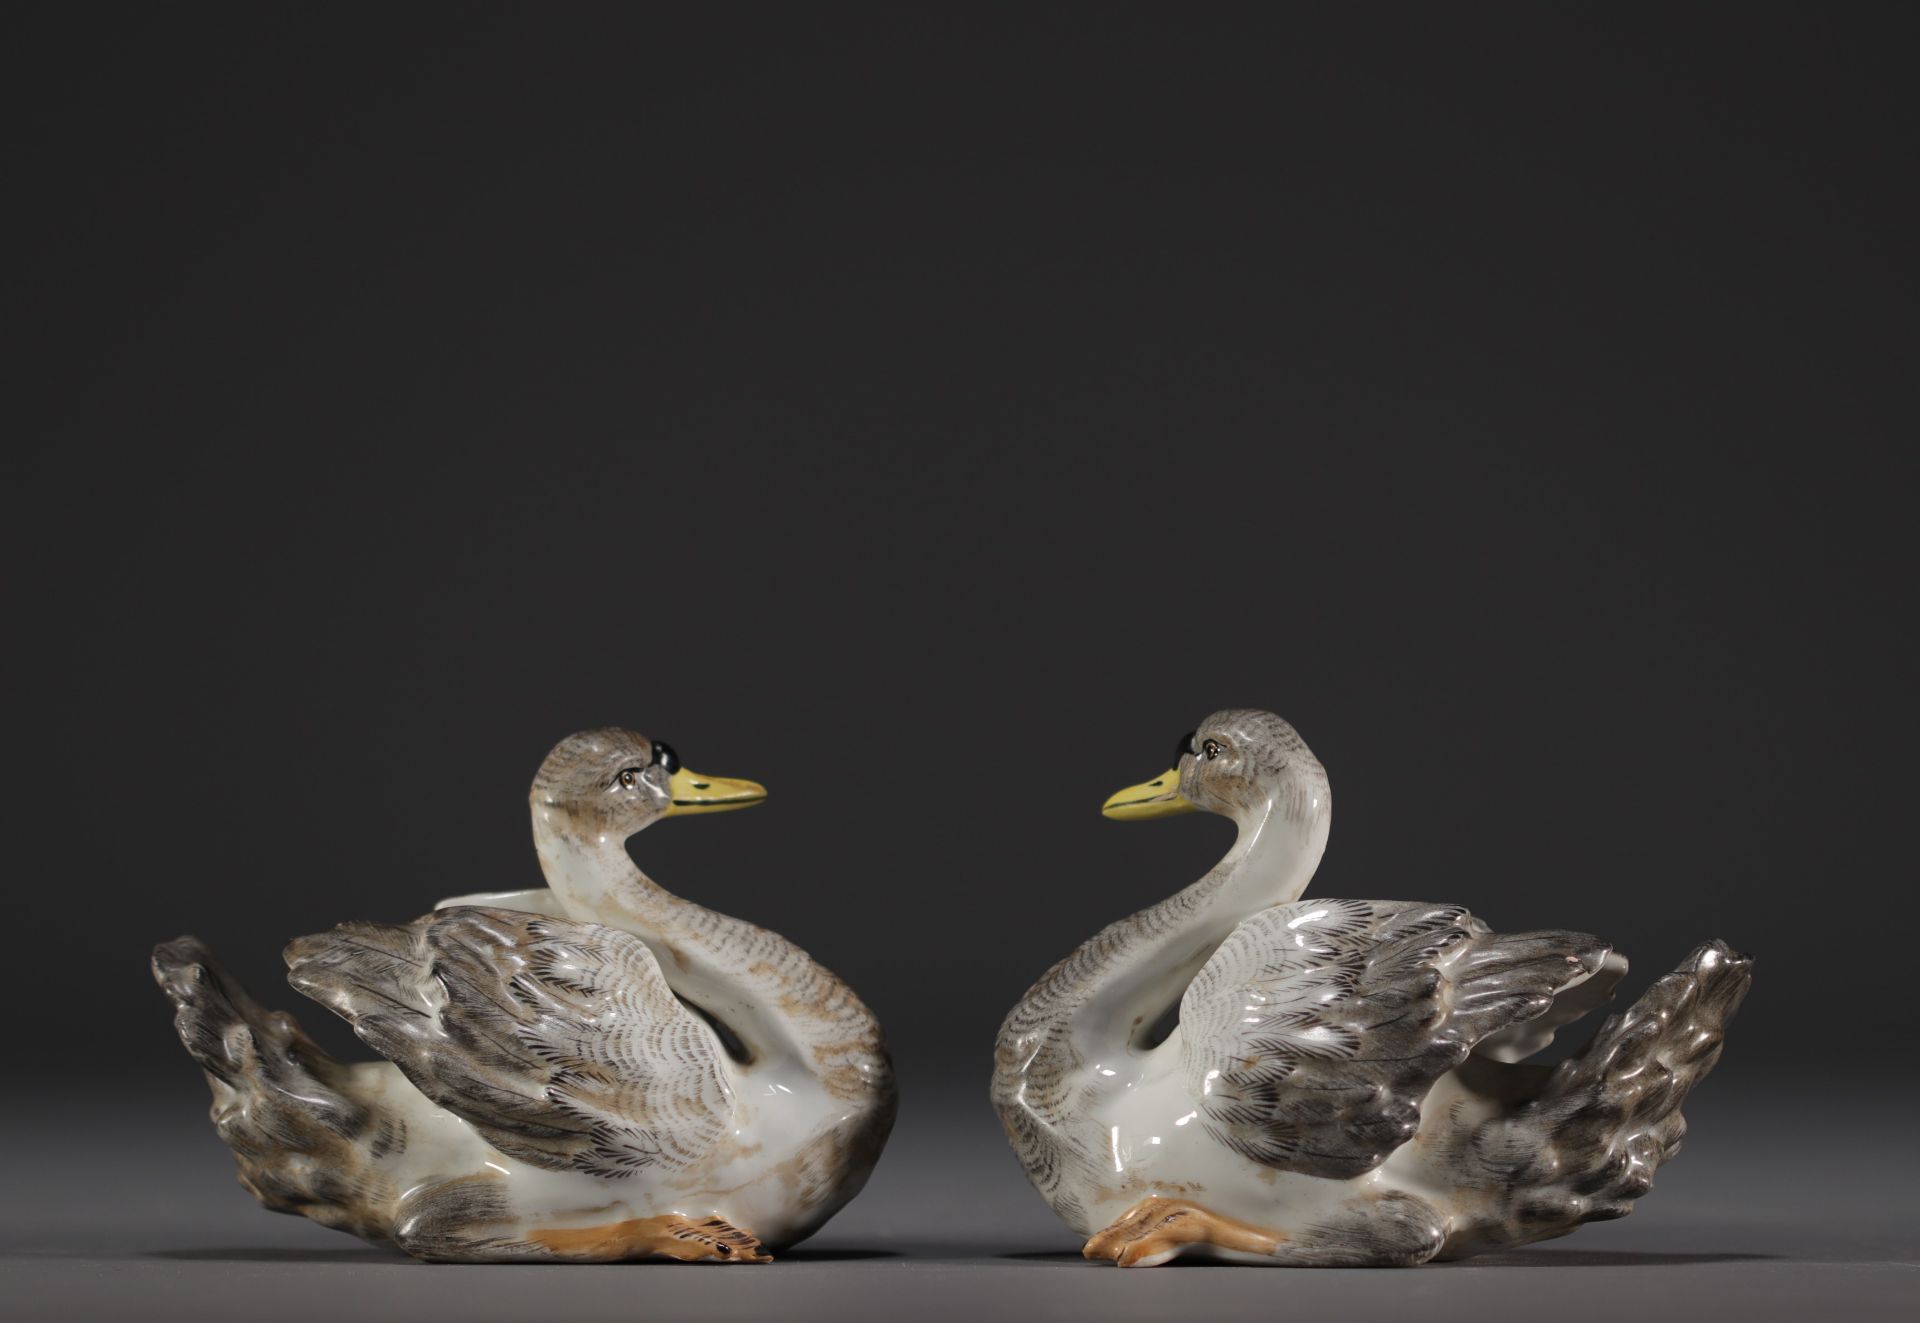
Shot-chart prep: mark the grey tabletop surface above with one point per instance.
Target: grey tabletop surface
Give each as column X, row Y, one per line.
column 129, row 1210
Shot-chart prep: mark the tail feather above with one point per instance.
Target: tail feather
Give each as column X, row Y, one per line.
column 304, row 1144
column 1588, row 1144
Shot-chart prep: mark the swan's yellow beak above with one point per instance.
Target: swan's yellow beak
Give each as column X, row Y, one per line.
column 694, row 793
column 1158, row 798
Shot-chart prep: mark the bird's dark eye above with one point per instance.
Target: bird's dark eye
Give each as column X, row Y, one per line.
column 1186, row 747
column 664, row 756
column 629, row 777
column 1211, row 748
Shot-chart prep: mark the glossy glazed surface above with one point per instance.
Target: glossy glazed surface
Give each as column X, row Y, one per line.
column 1346, row 1081
column 596, row 1070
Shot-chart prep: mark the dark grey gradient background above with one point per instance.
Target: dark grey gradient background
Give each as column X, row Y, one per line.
column 931, row 415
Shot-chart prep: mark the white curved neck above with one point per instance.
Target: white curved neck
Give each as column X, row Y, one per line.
column 735, row 971
column 1272, row 860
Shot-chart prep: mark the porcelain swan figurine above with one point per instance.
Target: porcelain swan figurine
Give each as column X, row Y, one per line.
column 1346, row 1083
column 595, row 1072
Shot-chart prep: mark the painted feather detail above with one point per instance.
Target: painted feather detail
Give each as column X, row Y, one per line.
column 1314, row 1032
column 559, row 1041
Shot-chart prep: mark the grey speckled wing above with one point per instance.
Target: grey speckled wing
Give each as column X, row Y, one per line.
column 1314, row 1032
column 559, row 1041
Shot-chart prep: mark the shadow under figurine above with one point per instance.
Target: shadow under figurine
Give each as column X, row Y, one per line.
column 1347, row 1083
column 594, row 1072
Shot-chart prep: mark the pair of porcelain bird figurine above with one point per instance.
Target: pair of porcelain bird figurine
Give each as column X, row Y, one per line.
column 599, row 1070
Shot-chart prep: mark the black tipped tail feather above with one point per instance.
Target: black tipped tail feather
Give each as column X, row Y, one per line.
column 1588, row 1143
column 304, row 1145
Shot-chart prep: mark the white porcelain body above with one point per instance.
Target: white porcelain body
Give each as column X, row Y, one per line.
column 1137, row 1107
column 768, row 1175
column 1355, row 1091
column 593, row 1071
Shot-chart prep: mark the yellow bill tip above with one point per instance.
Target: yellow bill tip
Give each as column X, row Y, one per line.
column 1158, row 798
column 695, row 793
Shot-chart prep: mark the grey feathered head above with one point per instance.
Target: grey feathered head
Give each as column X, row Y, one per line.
column 1236, row 762
column 621, row 781
column 1242, row 757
